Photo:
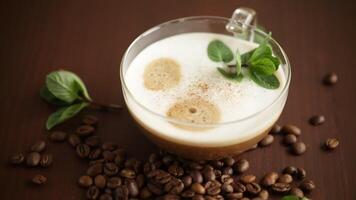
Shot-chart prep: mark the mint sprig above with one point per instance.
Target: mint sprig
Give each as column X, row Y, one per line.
column 219, row 52
column 66, row 90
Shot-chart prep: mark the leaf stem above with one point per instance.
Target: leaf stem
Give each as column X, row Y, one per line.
column 103, row 106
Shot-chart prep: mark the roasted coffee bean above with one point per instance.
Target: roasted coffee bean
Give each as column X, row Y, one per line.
column 85, row 130
column 212, row 187
column 134, row 164
column 93, row 193
column 159, row 176
column 234, row 196
column 330, row 79
column 93, row 141
column 167, row 159
column 46, row 160
column 198, row 197
column 90, row 120
column 194, row 166
column 290, row 139
column 105, row 197
column 74, row 140
column 241, row 166
column 290, row 170
column 176, row 170
column 301, row 173
column 109, row 146
column 317, row 120
column 33, row 159
column 145, row 193
column 196, row 176
column 227, row 188
column 299, row 148
column 275, row 129
column 38, row 146
column 227, row 171
column 226, row 179
column 113, row 182
column 85, row 181
column 98, row 161
column 110, row 169
column 253, row 188
column 17, row 159
column 58, row 136
column 187, row 180
column 39, row 179
column 307, row 185
column 263, row 194
column 217, row 164
column 140, row 180
column 100, row 181
column 238, row 187
column 108, row 191
column 248, row 178
column 217, row 173
column 169, row 197
column 229, row 161
column 257, row 198
column 296, row 192
column 155, row 189
column 291, row 129
column 122, row 192
column 132, row 187
column 331, row 143
column 208, row 173
column 95, row 169
column 285, row 178
column 188, row 194
column 280, row 187
column 109, row 156
column 128, row 173
column 269, row 179
column 197, row 188
column 266, row 141
column 120, row 159
column 83, row 150
column 95, row 154
column 153, row 157
column 174, row 186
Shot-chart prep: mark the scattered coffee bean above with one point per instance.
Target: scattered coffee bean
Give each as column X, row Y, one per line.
column 285, row 178
column 95, row 169
column 290, row 139
column 85, row 130
column 128, row 173
column 100, row 181
column 263, row 194
column 39, row 179
column 93, row 193
column 145, row 193
column 74, row 140
column 197, row 188
column 217, row 164
column 109, row 146
column 299, row 148
column 208, row 173
column 241, row 166
column 196, row 176
column 307, row 185
column 176, row 170
column 238, row 187
column 266, row 141
column 317, row 120
column 58, row 136
column 291, row 129
column 122, row 192
column 280, row 187
column 83, row 150
column 269, row 179
column 229, row 161
column 95, row 154
column 301, row 173
column 227, row 188
column 188, row 193
column 212, row 187
column 248, row 178
column 38, row 146
column 85, row 181
column 17, row 159
column 133, row 188
column 111, row 169
column 296, row 192
column 105, row 197
column 331, row 143
column 227, row 171
column 290, row 170
column 276, row 129
column 187, row 181
column 33, row 159
column 234, row 196
column 226, row 179
column 330, row 79
column 90, row 120
column 93, row 141
column 46, row 160
column 114, row 182
column 253, row 188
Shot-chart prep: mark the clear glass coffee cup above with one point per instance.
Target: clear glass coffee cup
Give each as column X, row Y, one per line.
column 187, row 141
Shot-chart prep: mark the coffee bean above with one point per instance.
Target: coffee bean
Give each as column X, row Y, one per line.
column 90, row 120
column 120, row 158
column 169, row 197
column 245, row 198
column 110, row 169
column 133, row 188
column 238, row 187
column 98, row 161
column 85, row 181
column 105, row 197
column 122, row 192
column 39, row 179
column 263, row 194
column 253, row 188
column 290, row 170
column 155, row 189
column 227, row 171
column 257, row 198
column 174, row 186
column 276, row 129
column 93, row 141
column 145, row 193
column 198, row 197
column 188, row 194
column 296, row 192
column 95, row 154
column 113, row 182
column 330, row 79
column 74, row 140
column 17, row 159
column 38, row 146
column 83, row 150
column 226, row 179
column 285, row 178
column 331, row 143
column 212, row 187
column 175, row 170
column 317, row 120
column 197, row 188
column 93, row 193
column 208, row 173
column 46, row 160
column 301, row 173
column 100, row 181
column 266, row 141
column 290, row 139
column 241, row 166
column 217, row 164
column 167, row 159
column 307, row 185
column 280, row 187
column 187, row 181
column 58, row 136
column 227, row 188
column 196, row 176
column 85, row 130
column 248, row 178
column 299, row 148
column 128, row 173
column 33, row 159
column 95, row 169
column 217, row 173
column 140, row 180
column 108, row 191
column 291, row 129
column 234, row 196
column 229, row 161
column 269, row 179
column 109, row 146
column 109, row 156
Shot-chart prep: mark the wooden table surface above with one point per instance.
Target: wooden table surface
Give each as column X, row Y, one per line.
column 90, row 37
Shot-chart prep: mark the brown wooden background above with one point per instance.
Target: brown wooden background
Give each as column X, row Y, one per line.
column 90, row 37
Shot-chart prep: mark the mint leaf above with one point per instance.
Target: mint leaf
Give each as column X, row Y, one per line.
column 64, row 114
column 246, row 56
column 66, row 86
column 50, row 98
column 263, row 66
column 219, row 52
column 290, row 197
column 262, row 51
column 276, row 61
column 266, row 81
column 230, row 76
column 238, row 62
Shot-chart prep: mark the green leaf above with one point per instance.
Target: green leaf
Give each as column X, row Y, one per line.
column 50, row 98
column 263, row 66
column 290, row 197
column 246, row 56
column 262, row 51
column 275, row 60
column 230, row 76
column 219, row 52
column 64, row 114
column 238, row 62
column 66, row 86
column 266, row 81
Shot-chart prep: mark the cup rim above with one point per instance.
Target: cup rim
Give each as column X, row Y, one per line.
column 202, row 125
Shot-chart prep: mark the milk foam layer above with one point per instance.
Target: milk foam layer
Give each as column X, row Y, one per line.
column 235, row 100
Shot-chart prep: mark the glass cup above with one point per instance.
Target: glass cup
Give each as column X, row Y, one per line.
column 187, row 141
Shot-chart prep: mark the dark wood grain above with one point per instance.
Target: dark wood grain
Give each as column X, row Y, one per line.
column 89, row 38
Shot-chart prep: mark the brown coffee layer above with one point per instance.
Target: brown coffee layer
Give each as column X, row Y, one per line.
column 161, row 74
